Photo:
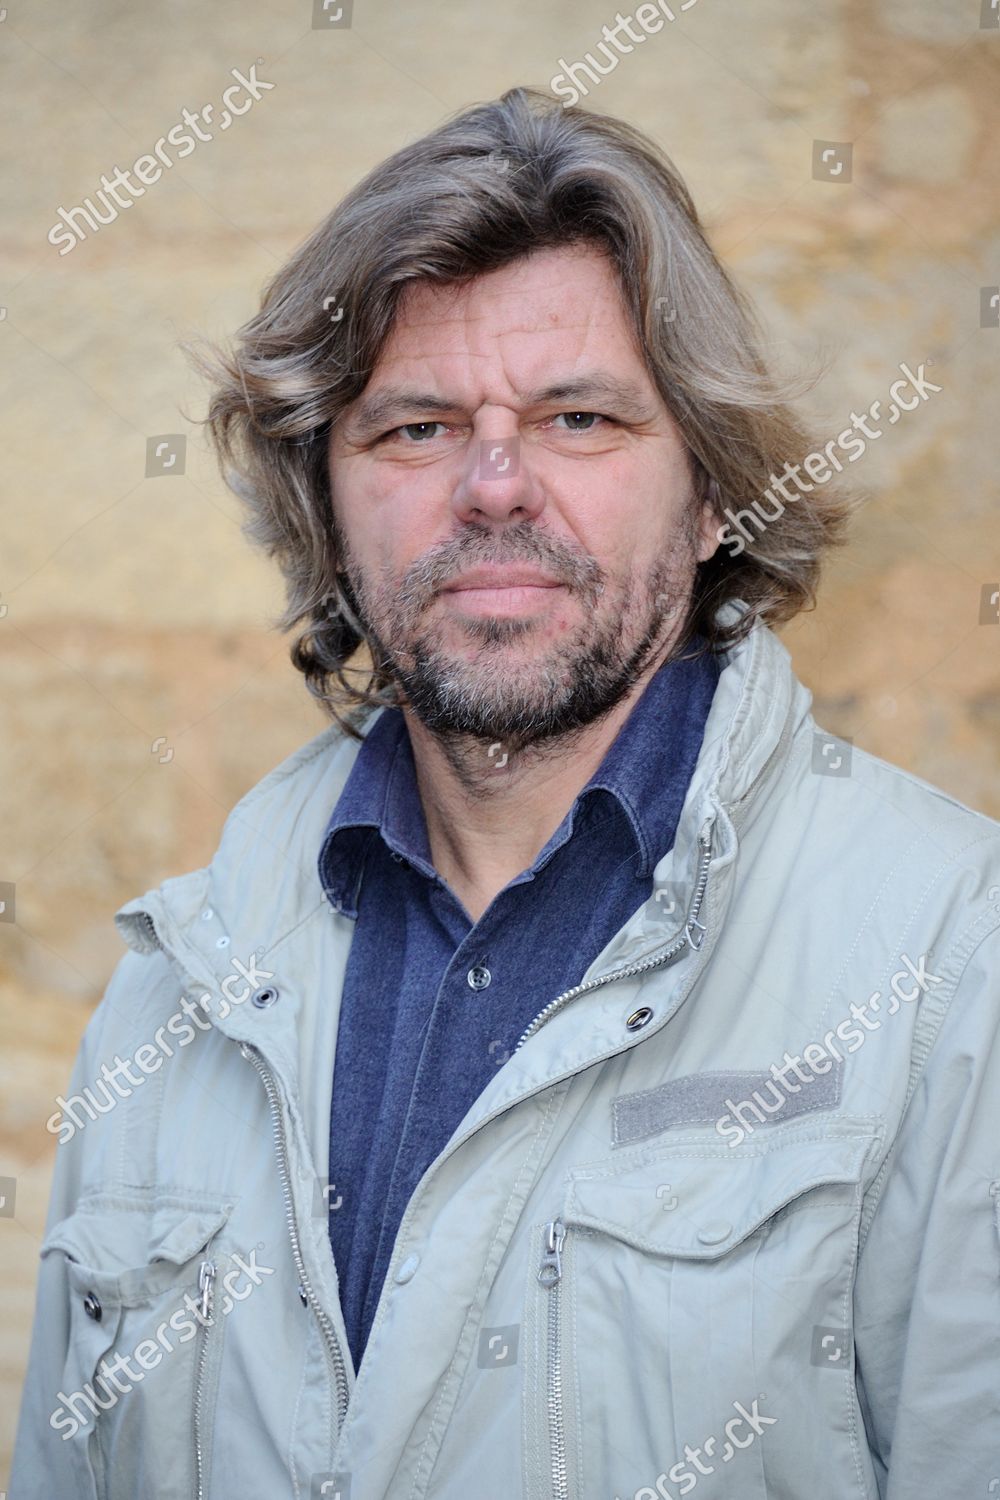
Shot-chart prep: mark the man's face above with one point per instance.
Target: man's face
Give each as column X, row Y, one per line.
column 511, row 425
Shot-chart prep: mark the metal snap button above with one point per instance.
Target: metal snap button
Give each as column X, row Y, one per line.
column 639, row 1018
column 263, row 997
column 207, row 914
column 407, row 1269
column 92, row 1306
column 715, row 1232
column 222, row 942
column 479, row 976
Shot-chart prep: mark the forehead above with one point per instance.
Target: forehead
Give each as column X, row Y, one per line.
column 560, row 304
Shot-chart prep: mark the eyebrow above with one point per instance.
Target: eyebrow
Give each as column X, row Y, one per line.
column 374, row 413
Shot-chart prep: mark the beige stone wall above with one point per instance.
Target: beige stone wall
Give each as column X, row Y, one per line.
column 140, row 687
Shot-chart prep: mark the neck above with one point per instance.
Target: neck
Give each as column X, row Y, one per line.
column 489, row 815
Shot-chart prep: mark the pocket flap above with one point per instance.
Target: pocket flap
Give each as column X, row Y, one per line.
column 131, row 1246
column 701, row 1200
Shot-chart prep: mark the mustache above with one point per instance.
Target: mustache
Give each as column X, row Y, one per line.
column 429, row 574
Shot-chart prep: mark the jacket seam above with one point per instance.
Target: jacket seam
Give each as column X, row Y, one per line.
column 926, row 787
column 308, row 916
column 927, row 1029
column 851, row 1389
column 293, row 1467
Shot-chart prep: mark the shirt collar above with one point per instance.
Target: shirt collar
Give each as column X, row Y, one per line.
column 645, row 771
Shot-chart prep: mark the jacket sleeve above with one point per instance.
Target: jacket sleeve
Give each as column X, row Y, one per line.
column 927, row 1295
column 44, row 1465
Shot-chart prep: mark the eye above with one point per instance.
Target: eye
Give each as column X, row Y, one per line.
column 415, row 431
column 590, row 418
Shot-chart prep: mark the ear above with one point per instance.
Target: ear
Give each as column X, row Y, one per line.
column 708, row 525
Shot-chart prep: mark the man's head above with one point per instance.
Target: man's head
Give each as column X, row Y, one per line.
column 511, row 346
column 511, row 424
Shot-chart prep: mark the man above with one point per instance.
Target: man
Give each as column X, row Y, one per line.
column 589, row 1071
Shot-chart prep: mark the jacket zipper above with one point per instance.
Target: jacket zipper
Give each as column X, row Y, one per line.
column 331, row 1343
column 550, row 1275
column 206, row 1284
column 150, row 927
column 693, row 936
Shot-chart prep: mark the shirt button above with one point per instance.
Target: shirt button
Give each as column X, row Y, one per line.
column 715, row 1233
column 479, row 977
column 407, row 1269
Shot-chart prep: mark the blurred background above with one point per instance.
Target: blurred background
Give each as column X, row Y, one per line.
column 844, row 159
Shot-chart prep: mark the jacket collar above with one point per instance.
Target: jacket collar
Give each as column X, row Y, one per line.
column 262, row 882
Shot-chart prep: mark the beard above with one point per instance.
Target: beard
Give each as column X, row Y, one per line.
column 539, row 692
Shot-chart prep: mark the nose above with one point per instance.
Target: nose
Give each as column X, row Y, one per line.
column 497, row 483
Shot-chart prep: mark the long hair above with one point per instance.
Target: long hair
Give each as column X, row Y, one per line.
column 492, row 184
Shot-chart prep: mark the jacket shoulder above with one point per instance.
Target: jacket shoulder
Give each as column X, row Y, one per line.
column 896, row 803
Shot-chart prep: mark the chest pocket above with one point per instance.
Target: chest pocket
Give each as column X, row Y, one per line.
column 136, row 1343
column 691, row 1322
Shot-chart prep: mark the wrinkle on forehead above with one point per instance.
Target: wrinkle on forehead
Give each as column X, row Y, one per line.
column 426, row 304
column 505, row 330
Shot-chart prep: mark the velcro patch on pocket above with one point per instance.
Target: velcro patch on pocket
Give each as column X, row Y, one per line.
column 751, row 1099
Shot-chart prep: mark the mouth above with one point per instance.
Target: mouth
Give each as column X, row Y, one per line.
column 500, row 577
column 513, row 600
column 495, row 590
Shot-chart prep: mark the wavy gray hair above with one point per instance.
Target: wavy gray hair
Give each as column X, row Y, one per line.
column 492, row 184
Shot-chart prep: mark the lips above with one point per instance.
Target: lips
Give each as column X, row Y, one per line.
column 501, row 578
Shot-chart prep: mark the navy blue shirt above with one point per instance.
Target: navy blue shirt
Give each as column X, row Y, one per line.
column 433, row 1003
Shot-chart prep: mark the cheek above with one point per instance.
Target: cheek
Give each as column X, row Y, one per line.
column 376, row 519
column 630, row 499
column 623, row 524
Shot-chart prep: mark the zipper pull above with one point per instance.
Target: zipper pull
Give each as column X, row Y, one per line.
column 550, row 1271
column 695, row 938
column 206, row 1276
